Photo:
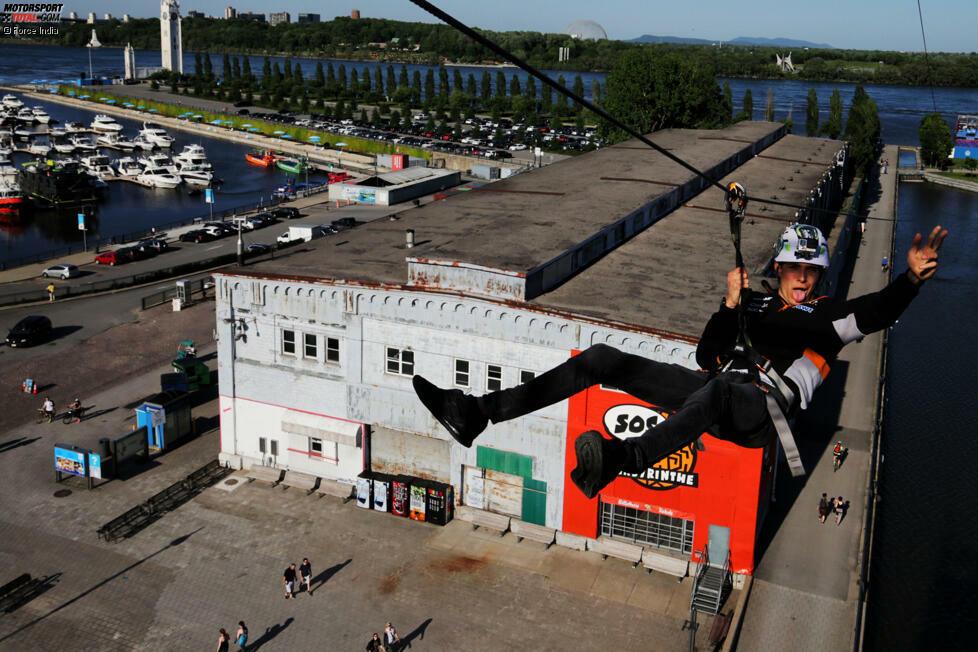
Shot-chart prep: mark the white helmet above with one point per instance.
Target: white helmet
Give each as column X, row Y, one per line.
column 802, row 243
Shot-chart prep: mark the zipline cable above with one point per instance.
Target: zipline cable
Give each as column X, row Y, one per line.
column 530, row 70
column 930, row 79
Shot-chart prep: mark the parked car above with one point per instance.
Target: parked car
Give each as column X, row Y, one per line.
column 111, row 258
column 136, row 252
column 30, row 330
column 258, row 248
column 286, row 212
column 157, row 244
column 197, row 235
column 61, row 270
column 347, row 222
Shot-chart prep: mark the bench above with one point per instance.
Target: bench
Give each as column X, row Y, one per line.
column 265, row 474
column 126, row 523
column 721, row 626
column 655, row 561
column 170, row 498
column 300, row 481
column 533, row 532
column 338, row 489
column 607, row 547
column 491, row 520
column 207, row 475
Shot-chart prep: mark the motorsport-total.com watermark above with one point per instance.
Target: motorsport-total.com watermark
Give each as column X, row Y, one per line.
column 29, row 19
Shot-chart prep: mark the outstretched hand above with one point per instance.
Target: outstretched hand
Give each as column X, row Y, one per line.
column 922, row 260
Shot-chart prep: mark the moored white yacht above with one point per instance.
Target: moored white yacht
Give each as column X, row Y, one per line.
column 105, row 123
column 128, row 167
column 98, row 166
column 159, row 178
column 56, row 132
column 25, row 115
column 156, row 135
column 40, row 115
column 83, row 143
column 159, row 160
column 115, row 139
column 194, row 174
column 72, row 127
column 143, row 143
column 11, row 101
column 193, row 155
column 63, row 146
column 40, row 145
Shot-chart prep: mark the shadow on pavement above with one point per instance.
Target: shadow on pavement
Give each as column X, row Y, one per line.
column 417, row 633
column 37, row 587
column 16, row 443
column 270, row 633
column 327, row 574
column 59, row 332
column 173, row 544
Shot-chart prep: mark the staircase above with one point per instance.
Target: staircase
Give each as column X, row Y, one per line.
column 711, row 585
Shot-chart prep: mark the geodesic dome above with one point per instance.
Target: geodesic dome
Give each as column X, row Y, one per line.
column 585, row 29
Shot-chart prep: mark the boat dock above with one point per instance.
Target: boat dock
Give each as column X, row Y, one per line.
column 313, row 153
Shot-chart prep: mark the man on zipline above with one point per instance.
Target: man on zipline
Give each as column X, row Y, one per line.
column 742, row 399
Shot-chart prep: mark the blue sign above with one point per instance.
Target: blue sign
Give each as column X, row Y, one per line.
column 209, row 196
column 81, row 221
column 69, row 461
column 95, row 465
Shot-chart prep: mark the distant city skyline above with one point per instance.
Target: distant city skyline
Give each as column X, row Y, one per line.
column 863, row 25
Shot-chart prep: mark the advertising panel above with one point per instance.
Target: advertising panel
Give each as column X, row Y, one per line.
column 95, row 465
column 720, row 485
column 69, row 461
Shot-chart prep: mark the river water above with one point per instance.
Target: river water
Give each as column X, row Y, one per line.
column 924, row 571
column 128, row 207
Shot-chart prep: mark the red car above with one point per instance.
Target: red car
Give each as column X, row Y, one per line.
column 110, row 258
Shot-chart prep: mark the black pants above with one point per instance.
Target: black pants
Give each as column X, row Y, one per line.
column 728, row 405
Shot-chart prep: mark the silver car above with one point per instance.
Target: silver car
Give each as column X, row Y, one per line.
column 62, row 271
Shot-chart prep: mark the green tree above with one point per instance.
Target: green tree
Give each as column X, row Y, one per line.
column 249, row 78
column 226, row 69
column 500, row 89
column 514, row 86
column 747, row 113
column 935, row 139
column 485, row 88
column 832, row 127
column 727, row 98
column 578, row 87
column 769, row 105
column 429, row 86
column 811, row 114
column 596, row 91
column 648, row 92
column 320, row 78
column 971, row 164
column 863, row 131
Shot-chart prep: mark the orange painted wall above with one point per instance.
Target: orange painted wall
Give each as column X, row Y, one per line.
column 730, row 480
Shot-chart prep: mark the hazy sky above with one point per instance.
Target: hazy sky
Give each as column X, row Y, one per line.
column 862, row 24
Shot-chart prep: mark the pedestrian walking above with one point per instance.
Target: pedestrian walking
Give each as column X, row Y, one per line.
column 840, row 509
column 824, row 507
column 242, row 636
column 224, row 641
column 374, row 644
column 884, row 263
column 305, row 573
column 391, row 639
column 50, row 289
column 289, row 581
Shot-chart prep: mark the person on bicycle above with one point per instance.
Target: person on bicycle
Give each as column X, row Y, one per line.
column 48, row 408
column 74, row 410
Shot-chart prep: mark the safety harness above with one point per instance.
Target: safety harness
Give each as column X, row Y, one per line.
column 777, row 395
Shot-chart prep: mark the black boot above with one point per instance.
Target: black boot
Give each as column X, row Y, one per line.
column 458, row 412
column 599, row 461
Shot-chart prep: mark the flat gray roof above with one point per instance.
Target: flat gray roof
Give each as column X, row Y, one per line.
column 669, row 277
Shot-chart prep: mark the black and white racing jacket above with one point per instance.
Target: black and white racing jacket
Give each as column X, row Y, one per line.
column 802, row 341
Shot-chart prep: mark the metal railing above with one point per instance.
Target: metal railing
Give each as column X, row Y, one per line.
column 197, row 287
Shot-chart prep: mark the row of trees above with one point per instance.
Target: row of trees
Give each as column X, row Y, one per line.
column 425, row 43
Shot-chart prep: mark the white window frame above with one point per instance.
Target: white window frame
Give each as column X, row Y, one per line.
column 462, row 378
column 316, row 448
column 329, row 349
column 291, row 332
column 306, row 346
column 395, row 362
column 494, row 377
column 526, row 376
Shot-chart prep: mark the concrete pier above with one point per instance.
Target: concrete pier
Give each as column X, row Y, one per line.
column 806, row 589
